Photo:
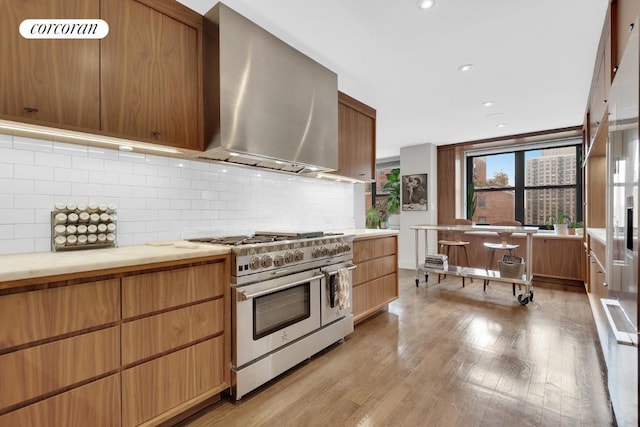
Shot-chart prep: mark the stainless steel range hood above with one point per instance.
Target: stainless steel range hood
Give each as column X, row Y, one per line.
column 265, row 103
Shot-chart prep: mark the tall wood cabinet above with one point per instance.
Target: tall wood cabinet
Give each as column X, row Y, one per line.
column 150, row 73
column 49, row 81
column 356, row 139
column 137, row 345
column 375, row 281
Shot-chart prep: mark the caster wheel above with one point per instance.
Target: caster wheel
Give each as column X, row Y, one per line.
column 523, row 300
column 417, row 281
column 531, row 295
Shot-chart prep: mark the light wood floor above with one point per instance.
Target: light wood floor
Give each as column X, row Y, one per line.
column 445, row 356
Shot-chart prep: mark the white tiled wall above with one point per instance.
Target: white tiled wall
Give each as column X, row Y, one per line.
column 158, row 198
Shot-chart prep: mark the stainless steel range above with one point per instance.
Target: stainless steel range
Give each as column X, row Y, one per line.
column 291, row 298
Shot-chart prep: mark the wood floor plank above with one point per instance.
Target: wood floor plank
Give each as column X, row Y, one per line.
column 445, row 356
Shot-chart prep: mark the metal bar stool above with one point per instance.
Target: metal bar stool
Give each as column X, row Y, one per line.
column 502, row 246
column 453, row 239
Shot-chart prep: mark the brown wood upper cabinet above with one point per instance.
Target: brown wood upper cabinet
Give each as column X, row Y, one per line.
column 356, row 138
column 624, row 17
column 49, row 81
column 150, row 72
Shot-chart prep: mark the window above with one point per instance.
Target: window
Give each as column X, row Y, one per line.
column 530, row 185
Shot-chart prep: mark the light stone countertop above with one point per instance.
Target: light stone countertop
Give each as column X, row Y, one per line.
column 599, row 234
column 366, row 232
column 43, row 264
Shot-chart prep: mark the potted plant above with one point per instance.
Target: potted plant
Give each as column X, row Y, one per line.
column 560, row 223
column 576, row 228
column 392, row 187
column 371, row 218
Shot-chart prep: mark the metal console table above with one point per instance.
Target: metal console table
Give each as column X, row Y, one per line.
column 479, row 273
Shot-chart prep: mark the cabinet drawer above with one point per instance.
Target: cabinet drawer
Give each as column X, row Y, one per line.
column 163, row 332
column 45, row 368
column 364, row 250
column 161, row 384
column 48, row 313
column 372, row 295
column 146, row 293
column 369, row 270
column 96, row 404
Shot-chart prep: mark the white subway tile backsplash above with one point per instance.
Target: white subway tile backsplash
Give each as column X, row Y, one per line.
column 99, row 177
column 51, row 159
column 6, row 170
column 87, row 163
column 117, row 166
column 6, row 140
column 6, row 232
column 130, row 179
column 20, row 157
column 33, row 172
column 28, row 231
column 6, row 201
column 102, row 153
column 79, row 189
column 69, row 149
column 17, row 216
column 18, row 246
column 71, row 175
column 158, row 181
column 118, row 191
column 31, row 144
column 169, row 171
column 33, row 201
column 145, row 169
column 16, row 186
column 158, row 198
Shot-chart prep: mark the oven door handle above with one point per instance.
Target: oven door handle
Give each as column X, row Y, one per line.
column 334, row 272
column 244, row 296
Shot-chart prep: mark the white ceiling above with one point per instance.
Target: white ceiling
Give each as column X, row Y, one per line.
column 534, row 59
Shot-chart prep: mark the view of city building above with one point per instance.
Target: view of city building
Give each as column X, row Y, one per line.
column 546, row 171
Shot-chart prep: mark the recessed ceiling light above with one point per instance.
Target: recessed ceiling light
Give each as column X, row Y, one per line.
column 501, row 125
column 426, row 4
column 466, row 67
column 488, row 104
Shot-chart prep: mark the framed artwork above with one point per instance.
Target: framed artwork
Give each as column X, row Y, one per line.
column 414, row 192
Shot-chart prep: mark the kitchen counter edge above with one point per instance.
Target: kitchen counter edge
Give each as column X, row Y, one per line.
column 25, row 266
column 361, row 233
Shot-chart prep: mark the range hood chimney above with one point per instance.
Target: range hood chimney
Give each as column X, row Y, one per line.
column 265, row 103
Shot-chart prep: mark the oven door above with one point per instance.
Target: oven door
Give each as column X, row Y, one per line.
column 330, row 310
column 271, row 314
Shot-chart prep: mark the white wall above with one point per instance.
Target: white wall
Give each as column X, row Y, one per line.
column 158, row 198
column 418, row 159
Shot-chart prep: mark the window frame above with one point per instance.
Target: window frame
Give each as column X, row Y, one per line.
column 519, row 186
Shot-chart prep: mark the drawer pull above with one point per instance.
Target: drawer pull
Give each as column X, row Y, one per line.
column 30, row 110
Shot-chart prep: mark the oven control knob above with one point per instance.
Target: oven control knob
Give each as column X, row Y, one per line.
column 298, row 255
column 254, row 263
column 324, row 251
column 288, row 257
column 267, row 261
column 316, row 252
column 278, row 261
column 346, row 248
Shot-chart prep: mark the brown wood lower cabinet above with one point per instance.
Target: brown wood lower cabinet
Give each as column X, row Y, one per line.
column 155, row 387
column 375, row 281
column 96, row 404
column 143, row 344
